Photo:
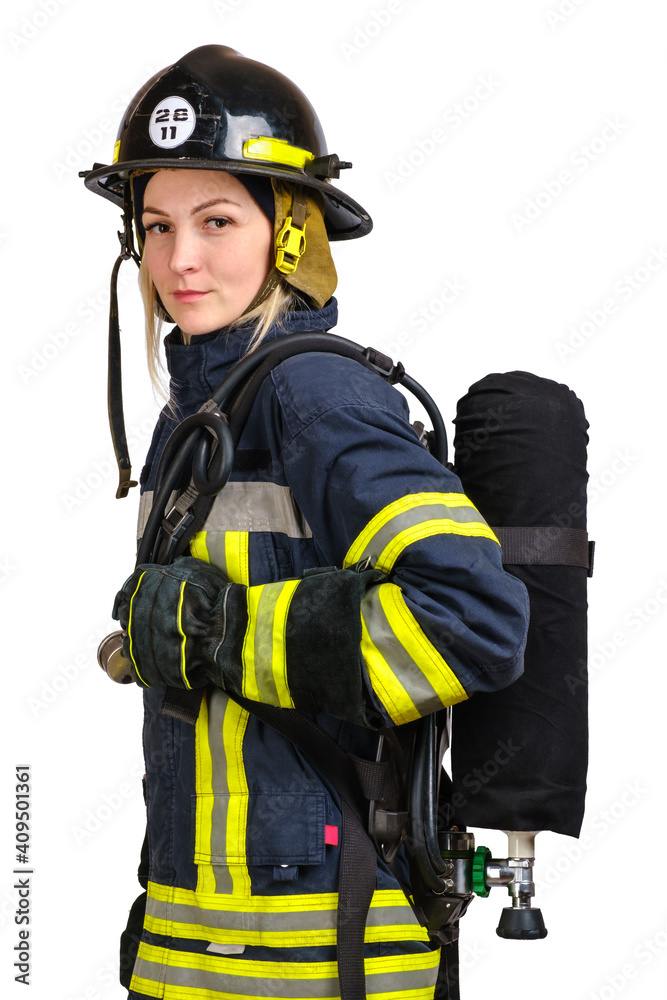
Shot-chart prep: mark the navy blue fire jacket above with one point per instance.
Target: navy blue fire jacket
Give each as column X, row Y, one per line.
column 243, row 833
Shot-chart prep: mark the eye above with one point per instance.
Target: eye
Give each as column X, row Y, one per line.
column 157, row 227
column 217, row 222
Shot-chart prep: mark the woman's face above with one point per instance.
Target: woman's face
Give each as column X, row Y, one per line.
column 208, row 247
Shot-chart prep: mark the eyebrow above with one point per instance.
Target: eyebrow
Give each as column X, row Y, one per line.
column 198, row 208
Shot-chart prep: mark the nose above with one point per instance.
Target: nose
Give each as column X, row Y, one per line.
column 184, row 255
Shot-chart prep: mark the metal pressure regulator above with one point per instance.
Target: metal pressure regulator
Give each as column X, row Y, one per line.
column 471, row 871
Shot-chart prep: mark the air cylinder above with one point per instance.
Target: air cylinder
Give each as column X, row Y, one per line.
column 519, row 755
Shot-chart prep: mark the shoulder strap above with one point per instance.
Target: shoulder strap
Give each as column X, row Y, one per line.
column 356, row 883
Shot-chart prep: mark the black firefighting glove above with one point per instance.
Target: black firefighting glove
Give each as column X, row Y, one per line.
column 186, row 625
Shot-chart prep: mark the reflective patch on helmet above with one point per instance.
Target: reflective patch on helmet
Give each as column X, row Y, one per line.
column 116, row 152
column 276, row 151
column 172, row 122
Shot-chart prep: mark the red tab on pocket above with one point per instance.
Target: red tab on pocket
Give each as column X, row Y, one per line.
column 331, row 835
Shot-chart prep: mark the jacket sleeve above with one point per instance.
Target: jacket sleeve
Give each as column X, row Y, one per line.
column 446, row 621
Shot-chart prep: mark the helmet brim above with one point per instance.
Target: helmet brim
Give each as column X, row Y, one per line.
column 344, row 218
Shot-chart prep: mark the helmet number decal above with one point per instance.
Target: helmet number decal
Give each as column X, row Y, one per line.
column 172, row 122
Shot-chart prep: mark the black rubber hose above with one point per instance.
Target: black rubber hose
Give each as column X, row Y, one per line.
column 237, row 392
column 420, row 777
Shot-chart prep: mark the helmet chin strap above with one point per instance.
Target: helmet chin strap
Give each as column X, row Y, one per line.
column 114, row 380
column 289, row 246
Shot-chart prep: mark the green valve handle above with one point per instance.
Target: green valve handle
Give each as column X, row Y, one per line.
column 479, row 885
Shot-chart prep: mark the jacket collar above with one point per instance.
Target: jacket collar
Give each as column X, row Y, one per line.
column 196, row 368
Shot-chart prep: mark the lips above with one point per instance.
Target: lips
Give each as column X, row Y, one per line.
column 188, row 295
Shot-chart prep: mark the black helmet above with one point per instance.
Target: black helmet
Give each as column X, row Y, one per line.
column 216, row 110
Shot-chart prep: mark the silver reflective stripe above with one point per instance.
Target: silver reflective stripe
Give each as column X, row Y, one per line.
column 145, row 505
column 257, row 507
column 222, row 981
column 218, row 704
column 238, row 977
column 406, row 671
column 281, row 920
column 244, row 507
column 215, row 546
column 411, row 519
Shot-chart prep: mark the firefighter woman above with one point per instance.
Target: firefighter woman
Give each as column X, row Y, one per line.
column 339, row 578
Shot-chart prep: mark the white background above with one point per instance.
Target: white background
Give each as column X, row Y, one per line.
column 461, row 118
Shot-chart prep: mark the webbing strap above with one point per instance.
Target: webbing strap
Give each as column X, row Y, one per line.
column 115, row 391
column 447, row 986
column 546, row 546
column 182, row 704
column 114, row 376
column 358, row 860
column 356, row 883
column 372, row 777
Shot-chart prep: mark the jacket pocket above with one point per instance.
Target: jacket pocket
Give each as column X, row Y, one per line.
column 266, row 828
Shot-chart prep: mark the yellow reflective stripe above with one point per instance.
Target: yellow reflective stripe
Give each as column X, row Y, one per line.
column 206, row 882
column 385, row 683
column 167, row 992
column 181, row 975
column 150, row 988
column 129, row 630
column 276, row 151
column 250, row 685
column 411, row 518
column 264, row 654
column 222, row 797
column 407, row 672
column 279, row 658
column 273, row 921
column 389, row 555
column 306, row 902
column 228, row 550
column 308, row 938
column 198, row 547
column 180, row 629
column 236, row 557
column 233, row 731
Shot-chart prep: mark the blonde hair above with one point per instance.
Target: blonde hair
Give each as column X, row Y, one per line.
column 270, row 312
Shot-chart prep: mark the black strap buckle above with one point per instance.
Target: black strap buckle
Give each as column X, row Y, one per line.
column 173, row 527
column 384, row 366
